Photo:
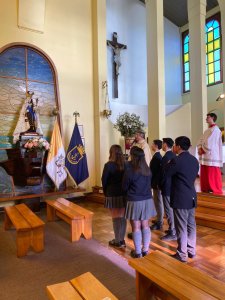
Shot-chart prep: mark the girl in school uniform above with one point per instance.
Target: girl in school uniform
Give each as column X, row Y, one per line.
column 140, row 207
column 114, row 195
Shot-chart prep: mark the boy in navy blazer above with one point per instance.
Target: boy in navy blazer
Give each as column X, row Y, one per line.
column 165, row 186
column 183, row 171
column 155, row 165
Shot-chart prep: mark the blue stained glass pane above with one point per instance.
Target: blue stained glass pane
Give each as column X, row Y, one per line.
column 186, row 48
column 216, row 24
column 187, row 86
column 186, row 67
column 217, row 66
column 186, row 39
column 38, row 67
column 206, row 59
column 217, row 54
column 217, row 76
column 187, row 76
column 216, row 33
column 207, row 80
column 208, row 25
column 206, row 69
column 12, row 63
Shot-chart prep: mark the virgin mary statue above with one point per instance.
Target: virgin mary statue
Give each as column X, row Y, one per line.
column 29, row 120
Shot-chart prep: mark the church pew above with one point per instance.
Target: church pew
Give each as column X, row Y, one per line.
column 62, row 291
column 29, row 228
column 160, row 275
column 85, row 286
column 79, row 218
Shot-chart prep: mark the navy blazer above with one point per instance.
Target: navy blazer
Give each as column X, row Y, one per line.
column 155, row 165
column 183, row 171
column 165, row 181
column 136, row 185
column 112, row 180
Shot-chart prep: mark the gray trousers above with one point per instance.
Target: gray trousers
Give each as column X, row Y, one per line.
column 169, row 213
column 186, row 231
column 159, row 207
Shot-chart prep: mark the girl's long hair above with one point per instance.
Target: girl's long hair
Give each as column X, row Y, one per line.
column 116, row 155
column 138, row 161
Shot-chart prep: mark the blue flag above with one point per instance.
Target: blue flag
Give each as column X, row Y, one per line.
column 76, row 159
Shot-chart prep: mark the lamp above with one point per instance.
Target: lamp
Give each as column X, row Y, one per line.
column 220, row 97
column 107, row 111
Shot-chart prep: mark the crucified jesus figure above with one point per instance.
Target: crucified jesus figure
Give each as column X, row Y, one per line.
column 116, row 56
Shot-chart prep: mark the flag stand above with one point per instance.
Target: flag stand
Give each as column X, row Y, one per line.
column 76, row 114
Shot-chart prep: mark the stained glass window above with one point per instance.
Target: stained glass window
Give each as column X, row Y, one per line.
column 213, row 54
column 213, row 51
column 25, row 69
column 186, row 62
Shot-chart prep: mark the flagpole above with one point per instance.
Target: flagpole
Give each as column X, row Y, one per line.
column 71, row 178
column 55, row 113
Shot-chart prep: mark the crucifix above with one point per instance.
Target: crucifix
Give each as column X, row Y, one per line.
column 116, row 47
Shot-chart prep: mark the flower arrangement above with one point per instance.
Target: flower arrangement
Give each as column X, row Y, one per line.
column 127, row 124
column 36, row 144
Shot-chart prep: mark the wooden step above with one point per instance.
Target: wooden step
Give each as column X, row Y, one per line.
column 211, row 198
column 212, row 221
column 211, row 211
column 96, row 197
column 212, row 205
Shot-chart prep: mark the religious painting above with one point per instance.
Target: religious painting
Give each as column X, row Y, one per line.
column 25, row 70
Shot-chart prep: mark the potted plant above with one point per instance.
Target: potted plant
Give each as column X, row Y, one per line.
column 128, row 124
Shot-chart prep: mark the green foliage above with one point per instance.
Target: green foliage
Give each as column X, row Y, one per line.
column 127, row 124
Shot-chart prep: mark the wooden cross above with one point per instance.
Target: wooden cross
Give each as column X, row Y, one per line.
column 116, row 47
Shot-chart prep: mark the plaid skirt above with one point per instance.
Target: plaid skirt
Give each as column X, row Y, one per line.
column 115, row 202
column 140, row 210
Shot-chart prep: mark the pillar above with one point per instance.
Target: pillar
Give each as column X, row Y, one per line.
column 198, row 89
column 155, row 69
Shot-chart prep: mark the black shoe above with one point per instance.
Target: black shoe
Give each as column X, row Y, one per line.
column 169, row 237
column 191, row 255
column 121, row 244
column 144, row 253
column 156, row 226
column 130, row 236
column 133, row 254
column 177, row 257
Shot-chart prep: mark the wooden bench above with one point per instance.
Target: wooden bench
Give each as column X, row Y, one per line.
column 85, row 286
column 29, row 228
column 159, row 275
column 79, row 218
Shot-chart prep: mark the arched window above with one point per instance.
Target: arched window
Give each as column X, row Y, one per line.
column 213, row 51
column 23, row 69
column 213, row 54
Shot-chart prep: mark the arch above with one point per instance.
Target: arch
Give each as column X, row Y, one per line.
column 213, row 50
column 25, row 67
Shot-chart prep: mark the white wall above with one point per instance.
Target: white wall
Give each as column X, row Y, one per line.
column 173, row 78
column 128, row 19
column 216, row 106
